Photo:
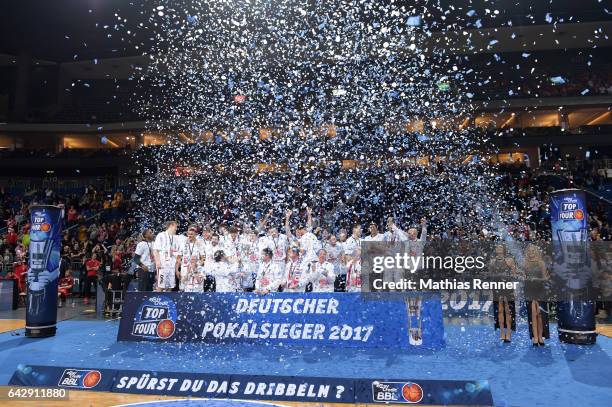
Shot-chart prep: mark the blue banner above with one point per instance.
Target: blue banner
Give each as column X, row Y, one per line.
column 464, row 303
column 43, row 273
column 428, row 392
column 251, row 387
column 571, row 266
column 309, row 319
column 64, row 377
column 243, row 387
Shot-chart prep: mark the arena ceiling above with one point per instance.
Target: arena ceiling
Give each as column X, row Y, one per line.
column 73, row 30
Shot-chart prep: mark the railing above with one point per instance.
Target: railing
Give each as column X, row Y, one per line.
column 599, row 197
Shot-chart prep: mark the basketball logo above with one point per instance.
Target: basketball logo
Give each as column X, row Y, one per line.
column 578, row 214
column 412, row 392
column 45, row 227
column 91, row 379
column 155, row 319
column 165, row 328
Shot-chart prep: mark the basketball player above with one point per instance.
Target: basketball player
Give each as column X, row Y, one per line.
column 415, row 245
column 206, row 236
column 165, row 251
column 394, row 234
column 320, row 273
column 193, row 281
column 279, row 244
column 230, row 243
column 335, row 255
column 307, row 241
column 224, row 273
column 269, row 277
column 294, row 269
column 374, row 236
column 353, row 242
column 210, row 248
column 335, row 252
column 190, row 256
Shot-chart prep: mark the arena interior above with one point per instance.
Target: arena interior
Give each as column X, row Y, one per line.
column 194, row 196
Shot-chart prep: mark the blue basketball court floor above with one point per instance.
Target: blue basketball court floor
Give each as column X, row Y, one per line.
column 519, row 374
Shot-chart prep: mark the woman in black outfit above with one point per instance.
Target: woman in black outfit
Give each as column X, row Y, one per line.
column 504, row 308
column 535, row 289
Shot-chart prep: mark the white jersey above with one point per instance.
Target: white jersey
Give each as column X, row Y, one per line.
column 321, row 275
column 144, row 250
column 334, row 252
column 193, row 282
column 309, row 246
column 396, row 235
column 168, row 247
column 263, row 243
column 294, row 270
column 225, row 276
column 378, row 238
column 209, row 252
column 269, row 277
column 279, row 246
column 190, row 251
column 248, row 249
column 181, row 239
column 351, row 244
column 230, row 246
column 415, row 247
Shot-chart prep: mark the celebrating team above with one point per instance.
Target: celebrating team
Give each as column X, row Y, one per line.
column 260, row 259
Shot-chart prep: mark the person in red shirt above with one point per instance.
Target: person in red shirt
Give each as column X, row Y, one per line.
column 65, row 288
column 117, row 255
column 20, row 269
column 92, row 265
column 11, row 237
column 72, row 216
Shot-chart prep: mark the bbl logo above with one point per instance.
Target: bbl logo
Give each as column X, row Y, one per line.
column 155, row 319
column 80, row 378
column 570, row 210
column 396, row 392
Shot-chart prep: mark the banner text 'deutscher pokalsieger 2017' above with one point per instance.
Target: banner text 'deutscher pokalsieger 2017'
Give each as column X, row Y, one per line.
column 309, row 319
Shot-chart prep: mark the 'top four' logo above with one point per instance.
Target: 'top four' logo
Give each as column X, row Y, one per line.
column 570, row 210
column 155, row 319
column 40, row 223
